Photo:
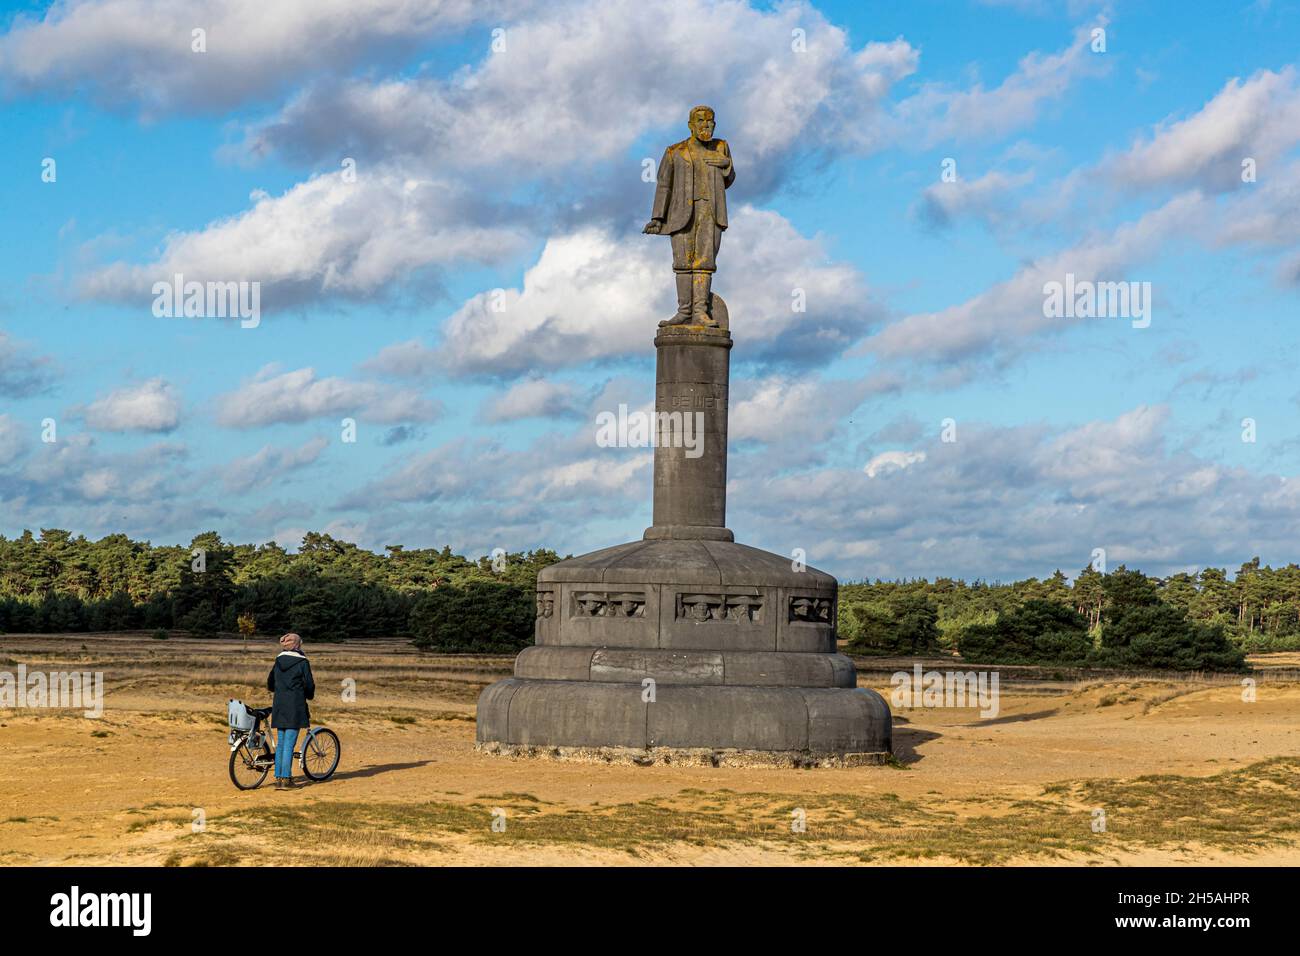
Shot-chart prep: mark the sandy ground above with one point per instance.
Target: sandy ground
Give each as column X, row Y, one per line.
column 124, row 788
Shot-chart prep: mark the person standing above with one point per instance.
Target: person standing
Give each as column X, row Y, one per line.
column 293, row 685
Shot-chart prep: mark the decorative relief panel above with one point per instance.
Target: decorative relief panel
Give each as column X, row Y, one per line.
column 545, row 603
column 607, row 604
column 737, row 608
column 810, row 610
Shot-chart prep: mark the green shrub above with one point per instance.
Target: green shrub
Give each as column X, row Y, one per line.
column 481, row 617
column 904, row 623
column 1037, row 632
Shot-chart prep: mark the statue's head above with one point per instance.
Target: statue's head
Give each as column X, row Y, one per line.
column 701, row 123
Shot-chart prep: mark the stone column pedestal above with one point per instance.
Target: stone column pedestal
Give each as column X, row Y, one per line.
column 692, row 375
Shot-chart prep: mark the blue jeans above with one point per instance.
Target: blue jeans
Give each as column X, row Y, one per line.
column 284, row 742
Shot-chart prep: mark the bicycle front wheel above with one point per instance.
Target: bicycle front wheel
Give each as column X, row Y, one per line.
column 320, row 754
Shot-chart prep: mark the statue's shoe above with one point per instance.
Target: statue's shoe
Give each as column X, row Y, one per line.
column 677, row 319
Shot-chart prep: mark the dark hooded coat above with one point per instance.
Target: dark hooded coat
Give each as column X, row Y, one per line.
column 291, row 682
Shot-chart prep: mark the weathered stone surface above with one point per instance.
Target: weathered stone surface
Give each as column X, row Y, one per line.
column 847, row 720
column 664, row 667
column 747, row 718
column 494, row 710
column 789, row 670
column 786, row 720
column 577, row 713
column 691, row 395
column 732, row 667
column 554, row 663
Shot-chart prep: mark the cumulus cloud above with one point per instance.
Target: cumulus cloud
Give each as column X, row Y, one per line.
column 130, row 53
column 805, row 411
column 452, row 470
column 272, row 397
column 74, row 471
column 323, row 238
column 888, row 461
column 410, row 359
column 1010, row 502
column 1265, row 217
column 152, row 406
column 269, row 464
column 592, row 295
column 939, row 113
column 1000, row 320
column 478, row 494
column 532, row 99
column 1256, row 118
column 984, row 198
column 23, row 373
column 534, row 398
column 13, row 440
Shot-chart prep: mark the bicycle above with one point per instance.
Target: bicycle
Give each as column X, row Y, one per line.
column 252, row 748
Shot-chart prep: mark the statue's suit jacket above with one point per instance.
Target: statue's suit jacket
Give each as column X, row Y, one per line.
column 674, row 192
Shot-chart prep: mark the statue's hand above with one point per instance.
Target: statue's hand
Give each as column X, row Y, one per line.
column 653, row 227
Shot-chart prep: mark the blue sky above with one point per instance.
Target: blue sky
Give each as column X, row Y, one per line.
column 519, row 169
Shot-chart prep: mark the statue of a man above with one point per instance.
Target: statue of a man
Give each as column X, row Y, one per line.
column 690, row 208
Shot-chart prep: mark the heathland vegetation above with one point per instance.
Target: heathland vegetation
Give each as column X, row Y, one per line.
column 55, row 582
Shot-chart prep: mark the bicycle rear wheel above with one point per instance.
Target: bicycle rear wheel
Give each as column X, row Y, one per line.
column 320, row 754
column 246, row 772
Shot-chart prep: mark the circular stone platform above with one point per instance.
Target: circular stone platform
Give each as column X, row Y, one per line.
column 687, row 646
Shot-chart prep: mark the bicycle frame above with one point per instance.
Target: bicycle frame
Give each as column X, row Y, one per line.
column 242, row 737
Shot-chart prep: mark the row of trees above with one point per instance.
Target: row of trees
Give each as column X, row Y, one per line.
column 329, row 590
column 1121, row 619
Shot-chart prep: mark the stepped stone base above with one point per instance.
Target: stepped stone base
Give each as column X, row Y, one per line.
column 589, row 714
column 695, row 651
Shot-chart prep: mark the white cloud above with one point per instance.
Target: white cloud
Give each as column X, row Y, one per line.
column 410, row 359
column 325, row 237
column 533, row 100
column 22, row 373
column 888, row 461
column 611, row 474
column 982, row 198
column 270, row 463
column 534, row 398
column 129, row 52
column 805, row 411
column 1257, row 118
column 1009, row 502
column 152, row 406
column 73, row 470
column 1001, row 319
column 939, row 113
column 271, row 397
column 594, row 296
column 13, row 440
